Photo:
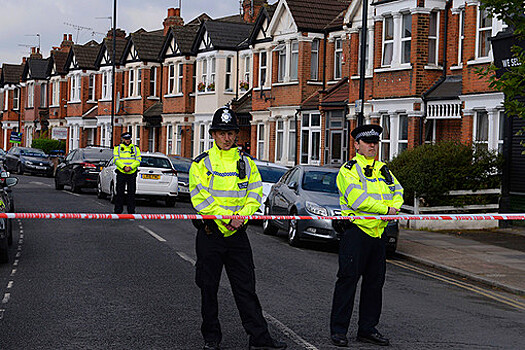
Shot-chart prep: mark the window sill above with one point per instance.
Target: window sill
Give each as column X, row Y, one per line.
column 104, row 100
column 393, row 69
column 91, row 101
column 153, row 98
column 29, row 108
column 433, row 67
column 168, row 96
column 206, row 93
column 459, row 66
column 72, row 102
column 314, row 82
column 233, row 92
column 132, row 98
column 54, row 106
column 483, row 60
column 286, row 83
column 265, row 88
column 357, row 77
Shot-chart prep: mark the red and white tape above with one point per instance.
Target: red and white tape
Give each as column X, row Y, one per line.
column 101, row 216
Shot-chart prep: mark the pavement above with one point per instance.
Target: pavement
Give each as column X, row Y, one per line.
column 495, row 258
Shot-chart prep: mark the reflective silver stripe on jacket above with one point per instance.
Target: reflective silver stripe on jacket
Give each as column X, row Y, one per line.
column 206, row 203
column 255, row 196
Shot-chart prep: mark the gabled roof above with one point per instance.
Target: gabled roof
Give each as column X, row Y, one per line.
column 35, row 69
column 148, row 46
column 197, row 21
column 11, row 73
column 315, row 15
column 266, row 13
column 311, row 103
column 244, row 104
column 106, row 50
column 183, row 36
column 83, row 56
column 448, row 88
column 337, row 95
column 58, row 59
column 223, row 35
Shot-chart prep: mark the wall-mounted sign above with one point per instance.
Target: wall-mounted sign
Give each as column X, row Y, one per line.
column 15, row 137
column 59, row 133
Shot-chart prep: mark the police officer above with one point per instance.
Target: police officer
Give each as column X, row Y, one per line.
column 366, row 187
column 225, row 181
column 127, row 159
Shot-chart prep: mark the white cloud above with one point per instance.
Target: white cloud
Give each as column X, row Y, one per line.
column 21, row 18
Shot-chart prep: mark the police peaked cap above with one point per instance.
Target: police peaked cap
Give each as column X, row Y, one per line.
column 224, row 119
column 367, row 133
column 126, row 135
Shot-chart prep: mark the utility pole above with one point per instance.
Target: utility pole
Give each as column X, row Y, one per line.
column 364, row 30
column 113, row 63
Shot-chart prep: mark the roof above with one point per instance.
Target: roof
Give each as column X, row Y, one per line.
column 59, row 58
column 244, row 104
column 315, row 15
column 120, row 45
column 154, row 110
column 203, row 17
column 311, row 102
column 35, row 68
column 185, row 36
column 445, row 89
column 266, row 12
column 86, row 54
column 147, row 44
column 226, row 35
column 12, row 73
column 231, row 19
column 337, row 95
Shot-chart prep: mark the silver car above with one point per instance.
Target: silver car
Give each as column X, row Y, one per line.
column 310, row 190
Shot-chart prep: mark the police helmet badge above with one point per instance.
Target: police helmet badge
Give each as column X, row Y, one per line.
column 226, row 117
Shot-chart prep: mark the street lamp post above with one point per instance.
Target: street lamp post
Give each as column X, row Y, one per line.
column 113, row 70
column 362, row 54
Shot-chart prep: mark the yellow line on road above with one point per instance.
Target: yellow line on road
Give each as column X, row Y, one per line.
column 489, row 294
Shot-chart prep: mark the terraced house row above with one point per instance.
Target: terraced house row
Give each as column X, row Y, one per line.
column 289, row 69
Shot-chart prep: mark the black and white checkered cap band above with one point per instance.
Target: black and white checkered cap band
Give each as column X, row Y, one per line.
column 369, row 133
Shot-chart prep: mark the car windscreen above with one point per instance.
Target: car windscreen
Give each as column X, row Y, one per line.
column 155, row 162
column 182, row 166
column 320, row 181
column 98, row 154
column 32, row 153
column 270, row 174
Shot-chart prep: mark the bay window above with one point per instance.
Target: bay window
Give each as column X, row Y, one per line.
column 171, row 79
column 153, row 81
column 180, row 77
column 311, row 138
column 406, row 38
column 433, row 41
column 484, row 32
column 228, row 75
column 30, row 93
column 91, row 88
column 294, row 59
column 43, row 95
column 388, row 40
column 263, row 67
column 338, row 58
column 279, row 140
column 314, row 60
column 292, row 139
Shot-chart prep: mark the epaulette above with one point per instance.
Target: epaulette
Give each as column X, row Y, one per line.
column 200, row 157
column 350, row 164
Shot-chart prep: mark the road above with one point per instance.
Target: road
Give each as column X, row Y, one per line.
column 125, row 284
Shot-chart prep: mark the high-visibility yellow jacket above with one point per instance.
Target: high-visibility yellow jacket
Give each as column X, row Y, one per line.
column 127, row 156
column 216, row 189
column 362, row 195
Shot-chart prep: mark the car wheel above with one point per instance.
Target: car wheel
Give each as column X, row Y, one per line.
column 58, row 186
column 170, row 201
column 293, row 238
column 19, row 169
column 74, row 187
column 268, row 227
column 4, row 250
column 112, row 194
column 100, row 194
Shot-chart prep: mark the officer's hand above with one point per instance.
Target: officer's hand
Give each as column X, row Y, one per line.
column 127, row 168
column 237, row 223
column 392, row 211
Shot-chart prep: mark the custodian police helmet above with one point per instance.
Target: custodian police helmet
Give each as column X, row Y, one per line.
column 224, row 119
column 367, row 133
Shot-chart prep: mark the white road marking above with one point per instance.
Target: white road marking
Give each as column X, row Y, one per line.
column 15, row 263
column 152, row 233
column 73, row 194
column 2, row 313
column 10, row 284
column 40, row 183
column 13, row 272
column 288, row 332
column 18, row 255
column 6, row 298
column 184, row 256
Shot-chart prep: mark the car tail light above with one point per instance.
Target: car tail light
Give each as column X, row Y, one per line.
column 86, row 165
column 170, row 172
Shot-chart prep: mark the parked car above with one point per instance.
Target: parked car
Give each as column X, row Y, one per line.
column 156, row 179
column 182, row 165
column 2, row 156
column 311, row 190
column 6, row 204
column 270, row 174
column 28, row 160
column 81, row 167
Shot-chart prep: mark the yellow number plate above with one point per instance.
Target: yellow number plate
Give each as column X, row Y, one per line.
column 150, row 177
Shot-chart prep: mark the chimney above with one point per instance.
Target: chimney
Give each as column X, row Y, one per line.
column 119, row 34
column 35, row 53
column 173, row 19
column 66, row 44
column 251, row 8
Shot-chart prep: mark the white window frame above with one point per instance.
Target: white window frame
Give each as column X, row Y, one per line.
column 131, row 83
column 247, row 69
column 314, row 60
column 338, row 58
column 405, row 40
column 386, row 137
column 180, row 77
column 6, row 100
column 263, row 69
column 136, row 135
column 212, row 63
column 228, row 86
column 294, row 60
column 434, row 38
column 291, row 140
column 169, row 139
column 107, row 78
column 479, row 31
column 261, row 140
column 395, row 132
column 91, row 87
column 153, row 81
column 204, row 73
column 43, row 95
column 30, row 95
column 178, row 140
column 281, row 64
column 369, row 58
column 494, row 133
column 56, row 93
column 461, row 36
column 400, row 140
column 279, row 139
column 171, row 79
column 135, row 82
column 387, row 42
column 314, row 131
column 16, row 99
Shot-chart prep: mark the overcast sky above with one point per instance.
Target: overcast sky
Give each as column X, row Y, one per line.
column 21, row 20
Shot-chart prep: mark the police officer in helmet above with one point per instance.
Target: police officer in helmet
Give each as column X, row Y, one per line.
column 367, row 187
column 225, row 181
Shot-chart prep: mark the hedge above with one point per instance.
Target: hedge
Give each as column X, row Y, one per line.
column 48, row 145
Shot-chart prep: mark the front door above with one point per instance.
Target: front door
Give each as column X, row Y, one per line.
column 336, row 147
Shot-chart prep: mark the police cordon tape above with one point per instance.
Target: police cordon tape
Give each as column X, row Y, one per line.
column 102, row 216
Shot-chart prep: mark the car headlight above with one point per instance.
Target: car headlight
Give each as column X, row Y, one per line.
column 316, row 209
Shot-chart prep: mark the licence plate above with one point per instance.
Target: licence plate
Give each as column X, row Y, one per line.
column 40, row 167
column 150, row 176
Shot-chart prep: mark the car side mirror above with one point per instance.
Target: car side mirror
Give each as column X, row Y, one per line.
column 4, row 175
column 11, row 181
column 292, row 185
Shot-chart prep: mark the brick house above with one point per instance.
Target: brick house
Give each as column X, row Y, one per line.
column 81, row 102
column 11, row 90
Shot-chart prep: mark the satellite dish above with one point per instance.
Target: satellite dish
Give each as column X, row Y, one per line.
column 117, row 105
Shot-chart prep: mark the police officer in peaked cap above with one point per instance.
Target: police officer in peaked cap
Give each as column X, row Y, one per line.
column 127, row 160
column 225, row 181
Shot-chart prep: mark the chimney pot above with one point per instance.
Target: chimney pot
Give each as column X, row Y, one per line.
column 177, row 12
column 171, row 12
column 65, row 36
column 33, row 49
column 70, row 37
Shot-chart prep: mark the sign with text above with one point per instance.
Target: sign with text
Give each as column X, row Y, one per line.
column 15, row 137
column 59, row 133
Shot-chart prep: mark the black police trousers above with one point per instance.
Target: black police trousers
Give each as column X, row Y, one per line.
column 234, row 253
column 359, row 256
column 123, row 181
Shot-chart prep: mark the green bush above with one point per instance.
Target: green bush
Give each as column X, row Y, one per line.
column 431, row 171
column 47, row 145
